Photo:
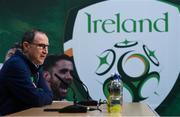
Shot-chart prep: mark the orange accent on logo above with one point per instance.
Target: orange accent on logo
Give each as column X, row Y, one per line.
column 69, row 52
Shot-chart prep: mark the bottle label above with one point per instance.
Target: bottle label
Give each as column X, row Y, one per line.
column 114, row 104
column 115, row 101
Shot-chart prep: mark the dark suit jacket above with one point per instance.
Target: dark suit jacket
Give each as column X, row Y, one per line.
column 22, row 85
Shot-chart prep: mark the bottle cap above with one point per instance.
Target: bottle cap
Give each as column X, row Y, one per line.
column 116, row 76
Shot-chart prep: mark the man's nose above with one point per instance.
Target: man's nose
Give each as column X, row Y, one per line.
column 69, row 76
column 45, row 50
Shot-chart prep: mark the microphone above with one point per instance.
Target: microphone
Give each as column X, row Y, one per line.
column 75, row 108
column 87, row 91
column 65, row 83
column 89, row 101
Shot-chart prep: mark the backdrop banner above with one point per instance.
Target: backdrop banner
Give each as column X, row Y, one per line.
column 136, row 39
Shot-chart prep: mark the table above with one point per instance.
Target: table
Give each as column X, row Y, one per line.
column 129, row 109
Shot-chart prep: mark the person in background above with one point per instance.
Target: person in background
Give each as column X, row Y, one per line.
column 12, row 50
column 62, row 66
column 22, row 85
column 1, row 64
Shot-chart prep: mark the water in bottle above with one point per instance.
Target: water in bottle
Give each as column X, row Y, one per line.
column 115, row 98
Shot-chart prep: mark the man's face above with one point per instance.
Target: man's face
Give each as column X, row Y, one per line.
column 38, row 49
column 63, row 69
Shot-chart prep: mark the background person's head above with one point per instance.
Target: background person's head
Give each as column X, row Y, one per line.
column 12, row 50
column 62, row 66
column 35, row 46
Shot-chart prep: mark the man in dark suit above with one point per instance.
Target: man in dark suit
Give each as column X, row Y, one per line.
column 21, row 83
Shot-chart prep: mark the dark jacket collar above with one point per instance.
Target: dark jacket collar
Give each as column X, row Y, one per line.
column 33, row 67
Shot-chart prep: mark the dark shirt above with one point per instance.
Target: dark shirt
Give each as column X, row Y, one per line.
column 22, row 85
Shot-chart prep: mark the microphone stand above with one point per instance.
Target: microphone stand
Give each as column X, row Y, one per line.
column 89, row 101
column 75, row 108
column 74, row 94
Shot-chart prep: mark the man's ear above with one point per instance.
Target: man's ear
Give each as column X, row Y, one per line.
column 25, row 46
column 47, row 76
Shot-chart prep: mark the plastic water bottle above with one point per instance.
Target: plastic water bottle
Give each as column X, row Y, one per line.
column 115, row 99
